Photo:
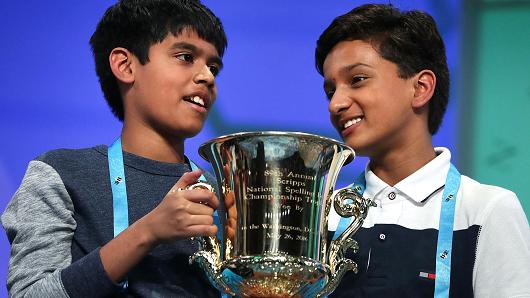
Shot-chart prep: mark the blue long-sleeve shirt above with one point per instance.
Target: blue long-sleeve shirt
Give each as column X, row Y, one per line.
column 62, row 214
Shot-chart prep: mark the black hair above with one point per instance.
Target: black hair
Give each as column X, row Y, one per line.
column 138, row 24
column 410, row 39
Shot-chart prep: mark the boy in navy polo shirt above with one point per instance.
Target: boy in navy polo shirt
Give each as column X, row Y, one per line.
column 76, row 228
column 434, row 231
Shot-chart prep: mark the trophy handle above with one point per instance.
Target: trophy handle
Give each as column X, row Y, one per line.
column 209, row 244
column 209, row 255
column 347, row 203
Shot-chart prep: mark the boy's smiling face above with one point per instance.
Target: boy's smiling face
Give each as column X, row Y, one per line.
column 175, row 89
column 370, row 105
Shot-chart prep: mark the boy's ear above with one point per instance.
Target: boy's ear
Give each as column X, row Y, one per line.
column 120, row 60
column 424, row 85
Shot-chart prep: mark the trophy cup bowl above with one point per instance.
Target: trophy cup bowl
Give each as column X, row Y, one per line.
column 276, row 191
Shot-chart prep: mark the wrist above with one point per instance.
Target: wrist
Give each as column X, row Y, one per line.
column 144, row 233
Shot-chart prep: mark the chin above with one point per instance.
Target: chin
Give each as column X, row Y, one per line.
column 181, row 132
column 187, row 134
column 190, row 132
column 359, row 148
column 348, row 140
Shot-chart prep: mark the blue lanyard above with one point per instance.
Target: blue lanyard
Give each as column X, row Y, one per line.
column 119, row 191
column 445, row 234
column 445, row 229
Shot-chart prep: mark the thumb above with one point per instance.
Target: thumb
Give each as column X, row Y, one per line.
column 187, row 179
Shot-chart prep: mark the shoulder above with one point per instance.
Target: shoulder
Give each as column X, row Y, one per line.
column 484, row 196
column 68, row 160
column 474, row 188
column 63, row 154
column 483, row 202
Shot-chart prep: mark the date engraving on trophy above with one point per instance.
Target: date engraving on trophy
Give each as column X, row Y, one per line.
column 286, row 236
column 285, row 232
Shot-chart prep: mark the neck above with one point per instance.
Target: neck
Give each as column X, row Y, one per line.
column 145, row 142
column 398, row 164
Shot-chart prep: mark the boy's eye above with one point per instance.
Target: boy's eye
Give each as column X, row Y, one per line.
column 358, row 79
column 329, row 93
column 214, row 69
column 186, row 57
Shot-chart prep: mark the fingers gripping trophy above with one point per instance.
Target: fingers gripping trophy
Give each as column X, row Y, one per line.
column 277, row 189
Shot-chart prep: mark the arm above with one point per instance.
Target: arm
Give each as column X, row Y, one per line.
column 39, row 224
column 502, row 264
column 180, row 215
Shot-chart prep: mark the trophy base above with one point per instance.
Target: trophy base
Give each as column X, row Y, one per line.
column 274, row 276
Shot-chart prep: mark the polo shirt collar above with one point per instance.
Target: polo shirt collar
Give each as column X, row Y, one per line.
column 420, row 185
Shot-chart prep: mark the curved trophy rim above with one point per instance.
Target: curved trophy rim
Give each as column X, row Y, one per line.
column 276, row 133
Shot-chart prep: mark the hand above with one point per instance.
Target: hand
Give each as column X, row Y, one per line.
column 183, row 213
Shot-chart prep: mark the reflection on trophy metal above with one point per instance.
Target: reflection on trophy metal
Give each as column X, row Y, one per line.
column 277, row 191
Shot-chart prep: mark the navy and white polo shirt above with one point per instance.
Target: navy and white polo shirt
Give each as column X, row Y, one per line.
column 491, row 239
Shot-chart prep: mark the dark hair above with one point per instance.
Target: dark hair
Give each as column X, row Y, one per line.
column 138, row 24
column 409, row 39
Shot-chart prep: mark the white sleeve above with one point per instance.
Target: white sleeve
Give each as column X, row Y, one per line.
column 502, row 263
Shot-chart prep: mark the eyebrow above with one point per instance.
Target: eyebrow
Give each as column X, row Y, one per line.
column 345, row 69
column 193, row 48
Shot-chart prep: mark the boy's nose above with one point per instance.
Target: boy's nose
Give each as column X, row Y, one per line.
column 204, row 76
column 339, row 102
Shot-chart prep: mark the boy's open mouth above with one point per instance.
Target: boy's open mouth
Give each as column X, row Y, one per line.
column 195, row 100
column 353, row 121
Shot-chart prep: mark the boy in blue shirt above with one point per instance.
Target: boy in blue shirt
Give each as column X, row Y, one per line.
column 76, row 228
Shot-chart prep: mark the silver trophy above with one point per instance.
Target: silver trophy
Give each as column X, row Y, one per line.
column 277, row 191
